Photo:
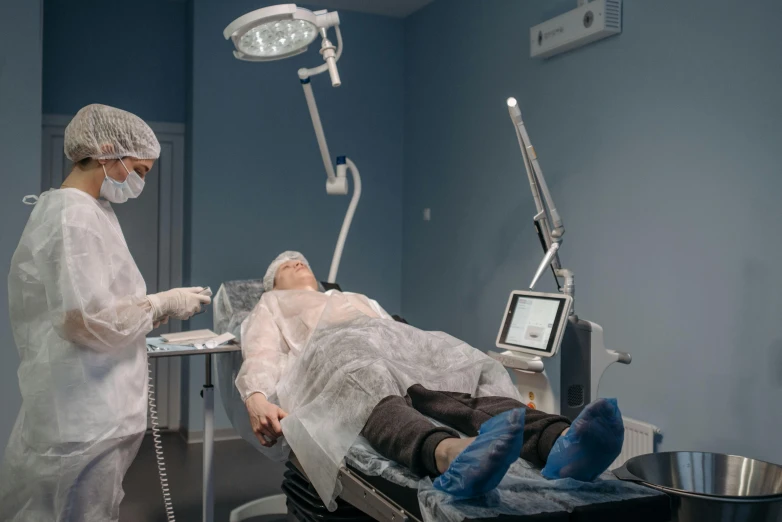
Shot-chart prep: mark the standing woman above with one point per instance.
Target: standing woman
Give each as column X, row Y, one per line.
column 80, row 314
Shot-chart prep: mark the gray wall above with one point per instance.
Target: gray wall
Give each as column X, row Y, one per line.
column 258, row 183
column 20, row 174
column 662, row 150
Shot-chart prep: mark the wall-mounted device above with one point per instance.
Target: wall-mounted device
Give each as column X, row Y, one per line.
column 589, row 22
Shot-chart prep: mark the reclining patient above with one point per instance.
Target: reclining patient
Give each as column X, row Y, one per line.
column 323, row 368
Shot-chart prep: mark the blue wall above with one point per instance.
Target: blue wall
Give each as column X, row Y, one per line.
column 661, row 149
column 20, row 174
column 258, row 184
column 659, row 145
column 132, row 55
column 126, row 54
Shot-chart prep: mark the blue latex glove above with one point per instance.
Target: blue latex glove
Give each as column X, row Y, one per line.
column 480, row 467
column 593, row 442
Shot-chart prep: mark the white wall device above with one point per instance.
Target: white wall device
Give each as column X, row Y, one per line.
column 589, row 22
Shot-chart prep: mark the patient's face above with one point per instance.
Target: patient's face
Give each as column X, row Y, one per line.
column 295, row 275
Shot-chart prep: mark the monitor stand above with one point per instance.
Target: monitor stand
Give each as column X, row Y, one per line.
column 569, row 380
column 530, row 378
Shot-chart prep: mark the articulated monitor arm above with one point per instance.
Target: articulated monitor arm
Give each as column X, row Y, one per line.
column 547, row 220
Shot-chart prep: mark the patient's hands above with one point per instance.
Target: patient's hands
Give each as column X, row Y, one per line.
column 265, row 419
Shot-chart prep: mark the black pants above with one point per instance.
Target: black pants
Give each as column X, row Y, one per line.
column 399, row 430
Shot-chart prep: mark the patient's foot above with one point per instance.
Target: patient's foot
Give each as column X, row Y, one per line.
column 591, row 444
column 481, row 462
column 447, row 451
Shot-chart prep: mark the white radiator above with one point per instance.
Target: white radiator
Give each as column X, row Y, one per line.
column 639, row 440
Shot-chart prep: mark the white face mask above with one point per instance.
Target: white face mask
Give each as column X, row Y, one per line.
column 119, row 192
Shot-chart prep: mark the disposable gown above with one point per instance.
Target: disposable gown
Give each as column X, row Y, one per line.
column 79, row 318
column 329, row 358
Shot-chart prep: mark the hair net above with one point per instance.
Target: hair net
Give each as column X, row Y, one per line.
column 103, row 132
column 271, row 272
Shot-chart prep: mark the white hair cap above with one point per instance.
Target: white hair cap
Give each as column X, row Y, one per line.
column 271, row 272
column 103, row 132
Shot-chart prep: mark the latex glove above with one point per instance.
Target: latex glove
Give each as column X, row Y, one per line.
column 265, row 419
column 161, row 321
column 179, row 303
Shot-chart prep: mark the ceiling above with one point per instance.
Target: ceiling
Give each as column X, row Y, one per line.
column 395, row 8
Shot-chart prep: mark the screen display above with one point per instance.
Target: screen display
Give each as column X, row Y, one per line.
column 531, row 322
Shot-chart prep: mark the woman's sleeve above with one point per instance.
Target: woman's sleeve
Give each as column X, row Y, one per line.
column 75, row 267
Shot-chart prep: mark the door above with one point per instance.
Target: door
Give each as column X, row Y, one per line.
column 152, row 225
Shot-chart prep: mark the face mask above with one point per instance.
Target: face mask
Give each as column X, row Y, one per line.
column 119, row 192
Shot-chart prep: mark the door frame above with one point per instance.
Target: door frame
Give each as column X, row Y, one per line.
column 171, row 241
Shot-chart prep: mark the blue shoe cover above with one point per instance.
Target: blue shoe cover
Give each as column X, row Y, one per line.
column 482, row 465
column 593, row 442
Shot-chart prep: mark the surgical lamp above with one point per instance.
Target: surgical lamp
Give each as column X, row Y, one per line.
column 282, row 31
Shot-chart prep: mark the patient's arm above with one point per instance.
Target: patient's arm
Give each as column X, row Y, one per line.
column 376, row 308
column 265, row 419
column 383, row 314
column 264, row 351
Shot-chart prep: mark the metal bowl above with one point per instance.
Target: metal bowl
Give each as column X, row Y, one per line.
column 711, row 486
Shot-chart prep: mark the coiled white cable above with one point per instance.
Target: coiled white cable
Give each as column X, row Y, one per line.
column 161, row 464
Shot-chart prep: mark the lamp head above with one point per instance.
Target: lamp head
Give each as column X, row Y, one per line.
column 514, row 110
column 276, row 32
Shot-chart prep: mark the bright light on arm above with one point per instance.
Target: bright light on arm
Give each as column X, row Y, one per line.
column 277, row 32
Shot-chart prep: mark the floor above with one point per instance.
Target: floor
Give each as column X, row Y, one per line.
column 241, row 474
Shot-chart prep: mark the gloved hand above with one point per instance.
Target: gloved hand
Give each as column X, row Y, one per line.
column 160, row 321
column 179, row 303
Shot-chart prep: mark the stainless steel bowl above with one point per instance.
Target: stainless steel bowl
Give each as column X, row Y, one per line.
column 711, row 486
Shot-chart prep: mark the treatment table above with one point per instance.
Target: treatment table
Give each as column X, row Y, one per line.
column 374, row 488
